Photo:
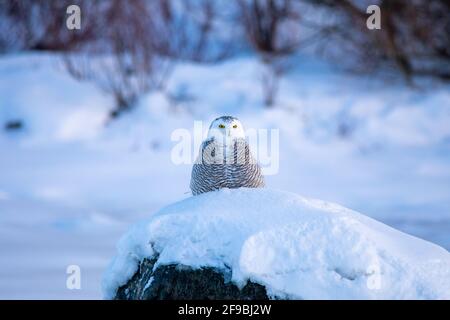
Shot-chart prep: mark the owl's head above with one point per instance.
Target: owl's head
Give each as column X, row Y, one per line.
column 226, row 128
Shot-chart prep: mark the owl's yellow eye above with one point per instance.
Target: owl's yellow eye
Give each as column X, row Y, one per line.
column 221, row 126
column 235, row 126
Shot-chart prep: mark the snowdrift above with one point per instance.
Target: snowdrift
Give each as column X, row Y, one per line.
column 297, row 248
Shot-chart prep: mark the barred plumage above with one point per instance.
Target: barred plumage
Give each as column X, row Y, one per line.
column 225, row 163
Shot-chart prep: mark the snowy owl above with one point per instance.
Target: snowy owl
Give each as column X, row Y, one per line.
column 225, row 160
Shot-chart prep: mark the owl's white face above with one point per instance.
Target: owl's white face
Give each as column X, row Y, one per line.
column 226, row 128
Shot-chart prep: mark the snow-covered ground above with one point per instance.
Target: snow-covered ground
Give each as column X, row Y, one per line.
column 297, row 248
column 70, row 185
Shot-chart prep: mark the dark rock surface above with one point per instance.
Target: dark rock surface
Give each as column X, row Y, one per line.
column 177, row 282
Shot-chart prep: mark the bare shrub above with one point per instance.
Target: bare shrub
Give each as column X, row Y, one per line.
column 140, row 41
column 413, row 39
column 270, row 27
column 125, row 62
column 190, row 29
column 272, row 70
column 267, row 25
column 40, row 25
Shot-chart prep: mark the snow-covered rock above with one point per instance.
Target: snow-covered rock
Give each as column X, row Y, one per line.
column 296, row 248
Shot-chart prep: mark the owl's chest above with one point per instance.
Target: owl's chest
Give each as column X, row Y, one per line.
column 223, row 155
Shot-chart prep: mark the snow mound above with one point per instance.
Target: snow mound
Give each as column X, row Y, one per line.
column 297, row 248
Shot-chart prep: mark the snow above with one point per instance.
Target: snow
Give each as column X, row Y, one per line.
column 71, row 185
column 148, row 284
column 299, row 248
